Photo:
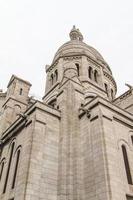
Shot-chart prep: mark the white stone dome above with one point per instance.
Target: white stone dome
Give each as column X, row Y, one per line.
column 77, row 47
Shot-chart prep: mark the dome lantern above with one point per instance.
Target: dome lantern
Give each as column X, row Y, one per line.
column 75, row 34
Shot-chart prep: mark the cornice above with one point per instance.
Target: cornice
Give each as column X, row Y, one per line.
column 119, row 112
column 25, row 119
column 124, row 95
column 95, row 85
column 50, row 67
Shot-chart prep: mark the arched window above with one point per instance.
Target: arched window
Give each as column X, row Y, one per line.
column 17, row 110
column 52, row 79
column 106, row 88
column 56, row 75
column 90, row 72
column 16, row 169
column 77, row 66
column 20, row 91
column 112, row 94
column 96, row 76
column 1, row 169
column 8, row 168
column 126, row 162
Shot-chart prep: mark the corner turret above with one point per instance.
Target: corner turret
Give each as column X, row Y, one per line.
column 15, row 101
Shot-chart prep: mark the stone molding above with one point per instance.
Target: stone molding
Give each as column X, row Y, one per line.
column 118, row 112
column 111, row 79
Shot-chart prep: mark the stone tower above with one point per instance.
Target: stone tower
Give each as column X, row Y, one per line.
column 77, row 144
column 15, row 101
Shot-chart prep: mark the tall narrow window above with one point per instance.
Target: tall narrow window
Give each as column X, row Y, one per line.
column 106, row 88
column 112, row 94
column 8, row 168
column 90, row 72
column 21, row 91
column 56, row 75
column 96, row 76
column 16, row 169
column 1, row 170
column 132, row 139
column 77, row 65
column 52, row 79
column 126, row 162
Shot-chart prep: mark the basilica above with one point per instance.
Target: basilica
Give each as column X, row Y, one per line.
column 75, row 144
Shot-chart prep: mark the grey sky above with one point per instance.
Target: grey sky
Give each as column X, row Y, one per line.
column 31, row 31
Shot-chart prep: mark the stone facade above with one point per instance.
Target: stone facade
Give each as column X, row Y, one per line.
column 77, row 144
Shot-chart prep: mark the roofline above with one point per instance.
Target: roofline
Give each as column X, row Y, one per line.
column 16, row 77
column 124, row 94
column 22, row 122
column 98, row 100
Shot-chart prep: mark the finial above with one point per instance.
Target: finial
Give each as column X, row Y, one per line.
column 75, row 34
column 74, row 27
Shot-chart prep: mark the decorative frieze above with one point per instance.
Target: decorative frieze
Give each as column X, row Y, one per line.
column 70, row 58
column 51, row 67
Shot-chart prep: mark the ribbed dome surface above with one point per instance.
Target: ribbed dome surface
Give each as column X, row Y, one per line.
column 77, row 47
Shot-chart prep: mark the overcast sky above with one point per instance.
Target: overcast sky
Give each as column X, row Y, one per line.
column 31, row 31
